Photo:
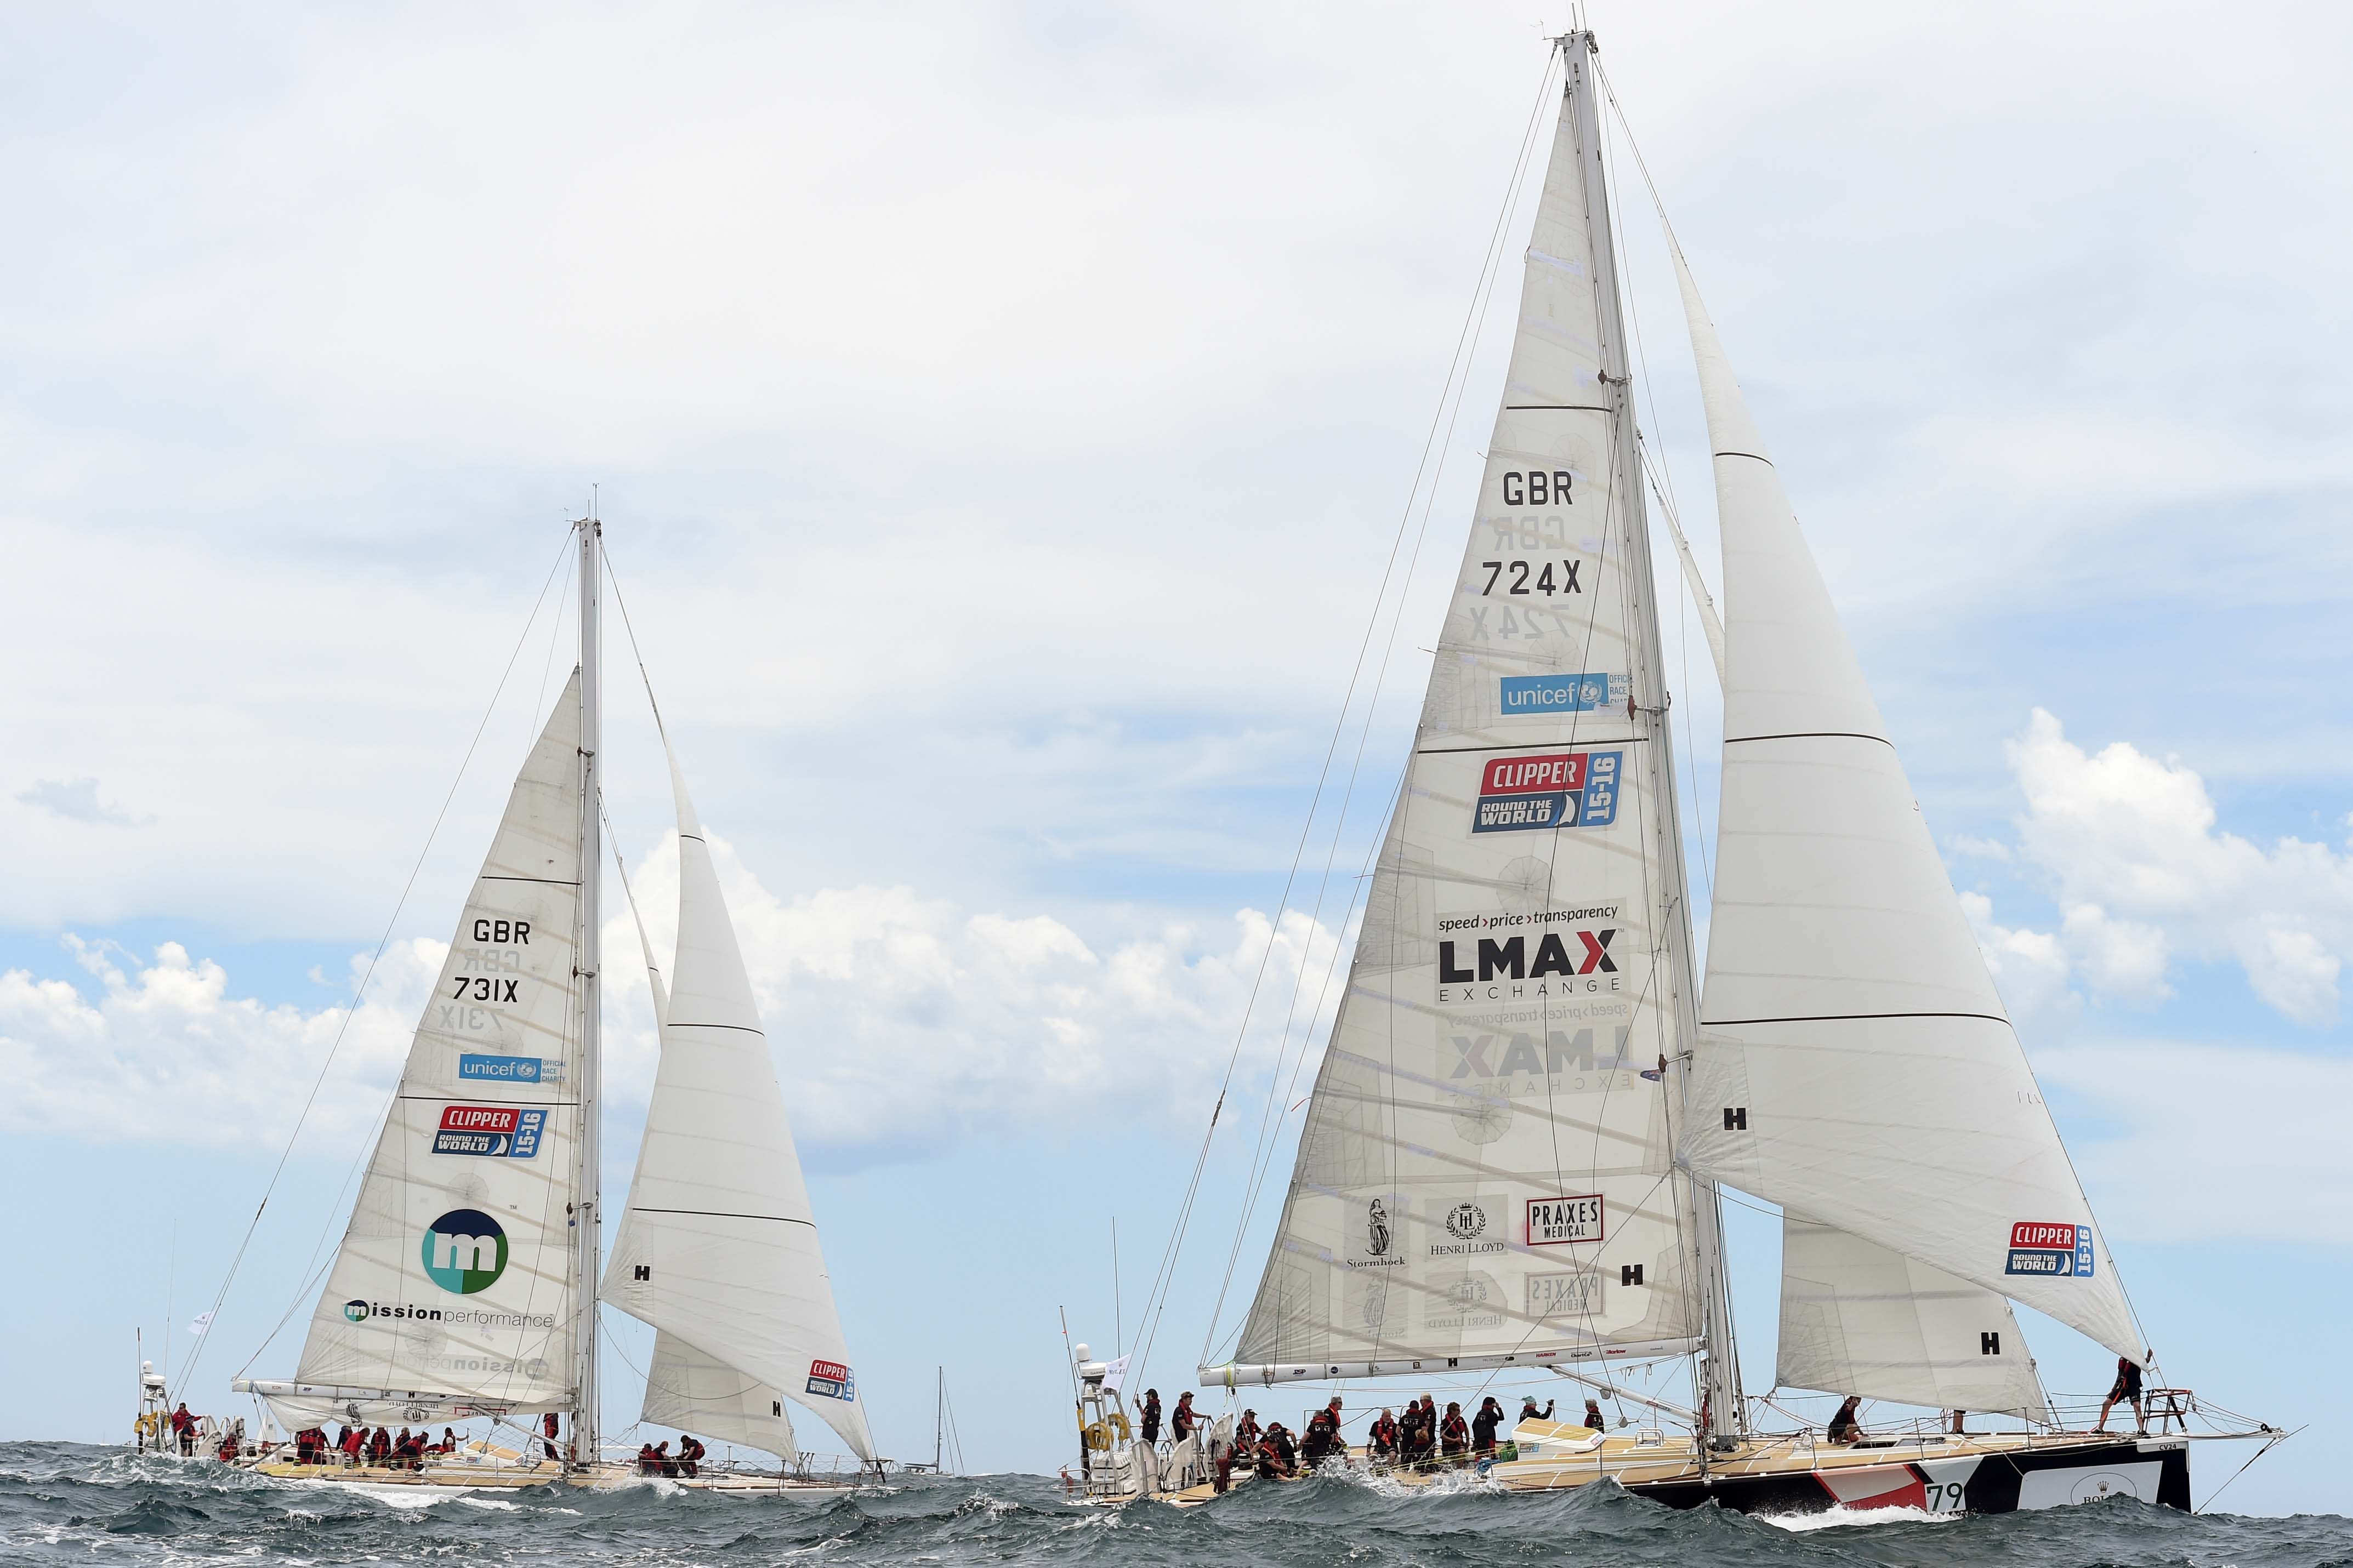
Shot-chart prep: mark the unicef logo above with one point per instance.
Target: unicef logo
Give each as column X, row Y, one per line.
column 465, row 1252
column 1465, row 1221
column 356, row 1312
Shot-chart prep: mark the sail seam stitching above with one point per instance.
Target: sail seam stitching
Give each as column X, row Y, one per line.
column 1752, row 457
column 545, row 881
column 730, row 1214
column 1559, row 408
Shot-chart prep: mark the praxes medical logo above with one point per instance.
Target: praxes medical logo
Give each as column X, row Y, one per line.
column 1556, row 789
column 495, row 1132
column 831, row 1380
column 465, row 1251
column 2051, row 1250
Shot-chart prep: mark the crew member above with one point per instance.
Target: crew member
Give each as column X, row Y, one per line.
column 1381, row 1442
column 379, row 1448
column 1323, row 1435
column 449, row 1441
column 184, row 1429
column 1453, row 1433
column 1593, row 1416
column 689, row 1455
column 1184, row 1418
column 1844, row 1428
column 649, row 1462
column 227, row 1454
column 547, row 1435
column 1247, row 1434
column 2127, row 1388
column 1277, row 1458
column 1529, row 1411
column 1151, row 1415
column 1483, row 1425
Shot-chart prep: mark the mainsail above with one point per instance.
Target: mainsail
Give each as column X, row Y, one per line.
column 719, row 1247
column 452, row 1293
column 1486, row 1171
column 1854, row 1063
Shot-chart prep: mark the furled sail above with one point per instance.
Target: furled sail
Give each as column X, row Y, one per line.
column 1858, row 1318
column 1485, row 1172
column 703, row 1394
column 719, row 1246
column 1854, row 1063
column 453, row 1292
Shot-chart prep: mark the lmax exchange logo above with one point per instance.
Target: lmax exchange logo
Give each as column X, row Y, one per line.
column 465, row 1251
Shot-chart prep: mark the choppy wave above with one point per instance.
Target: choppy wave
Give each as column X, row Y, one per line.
column 67, row 1503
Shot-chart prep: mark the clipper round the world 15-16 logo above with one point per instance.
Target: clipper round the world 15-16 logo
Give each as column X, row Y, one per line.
column 1556, row 789
column 465, row 1251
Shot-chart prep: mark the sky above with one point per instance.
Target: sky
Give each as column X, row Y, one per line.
column 1001, row 416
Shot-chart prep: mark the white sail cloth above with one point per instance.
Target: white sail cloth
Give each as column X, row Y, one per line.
column 718, row 1245
column 703, row 1394
column 1858, row 1318
column 455, row 1277
column 1486, row 1166
column 1855, row 1064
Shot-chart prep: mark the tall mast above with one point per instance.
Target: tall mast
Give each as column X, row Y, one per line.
column 1672, row 900
column 587, row 1217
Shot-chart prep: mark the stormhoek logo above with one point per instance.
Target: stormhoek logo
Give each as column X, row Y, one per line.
column 465, row 1251
column 1562, row 693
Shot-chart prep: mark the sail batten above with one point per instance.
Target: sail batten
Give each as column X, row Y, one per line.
column 1854, row 1062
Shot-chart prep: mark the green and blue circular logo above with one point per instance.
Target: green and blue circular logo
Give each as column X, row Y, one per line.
column 357, row 1311
column 465, row 1251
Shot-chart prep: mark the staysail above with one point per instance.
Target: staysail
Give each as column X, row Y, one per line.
column 1858, row 1318
column 719, row 1247
column 1854, row 1063
column 703, row 1394
column 452, row 1293
column 1486, row 1170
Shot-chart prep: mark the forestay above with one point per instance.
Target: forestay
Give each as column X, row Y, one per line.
column 454, row 1279
column 718, row 1245
column 1485, row 1170
column 1854, row 1063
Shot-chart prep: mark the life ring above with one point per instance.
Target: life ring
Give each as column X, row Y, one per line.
column 1119, row 1424
column 1097, row 1436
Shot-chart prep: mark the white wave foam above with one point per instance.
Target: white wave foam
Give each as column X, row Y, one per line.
column 1840, row 1518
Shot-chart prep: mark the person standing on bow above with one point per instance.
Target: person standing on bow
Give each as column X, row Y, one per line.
column 2125, row 1390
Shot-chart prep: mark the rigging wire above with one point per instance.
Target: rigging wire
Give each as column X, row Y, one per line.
column 351, row 1010
column 1164, row 1279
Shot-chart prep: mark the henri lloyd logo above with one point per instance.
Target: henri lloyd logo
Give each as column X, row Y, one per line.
column 465, row 1252
column 831, row 1380
column 1466, row 1224
column 1559, row 789
column 498, row 1132
column 1561, row 693
column 2051, row 1249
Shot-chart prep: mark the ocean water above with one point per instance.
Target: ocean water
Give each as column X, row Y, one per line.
column 71, row 1502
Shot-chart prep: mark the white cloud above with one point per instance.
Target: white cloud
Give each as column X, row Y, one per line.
column 2030, row 967
column 2220, row 1140
column 898, row 1021
column 164, row 1051
column 76, row 800
column 2144, row 873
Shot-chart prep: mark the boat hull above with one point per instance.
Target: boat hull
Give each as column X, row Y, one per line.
column 2003, row 1481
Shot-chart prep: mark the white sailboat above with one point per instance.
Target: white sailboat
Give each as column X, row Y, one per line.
column 471, row 1270
column 1529, row 1099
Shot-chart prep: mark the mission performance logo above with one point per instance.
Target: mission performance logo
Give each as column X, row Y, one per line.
column 465, row 1252
column 1556, row 789
column 2051, row 1250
